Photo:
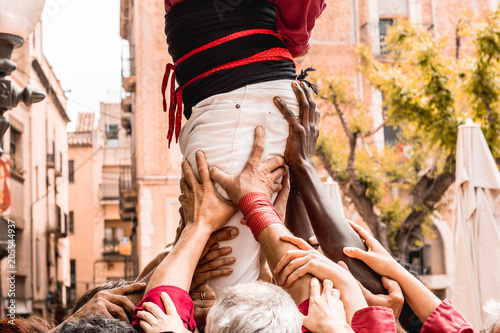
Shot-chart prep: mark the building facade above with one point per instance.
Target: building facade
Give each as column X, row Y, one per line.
column 150, row 199
column 101, row 247
column 343, row 25
column 35, row 146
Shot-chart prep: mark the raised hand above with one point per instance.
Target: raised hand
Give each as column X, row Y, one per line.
column 376, row 257
column 301, row 144
column 394, row 300
column 326, row 311
column 255, row 176
column 111, row 303
column 297, row 263
column 200, row 200
column 211, row 266
column 204, row 298
column 282, row 198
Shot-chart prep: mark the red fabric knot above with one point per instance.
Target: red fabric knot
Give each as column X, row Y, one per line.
column 175, row 109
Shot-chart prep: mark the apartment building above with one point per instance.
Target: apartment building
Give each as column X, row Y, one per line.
column 35, row 148
column 101, row 246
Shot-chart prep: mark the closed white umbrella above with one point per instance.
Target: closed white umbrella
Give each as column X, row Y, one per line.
column 476, row 226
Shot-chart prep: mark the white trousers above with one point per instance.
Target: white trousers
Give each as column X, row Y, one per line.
column 223, row 127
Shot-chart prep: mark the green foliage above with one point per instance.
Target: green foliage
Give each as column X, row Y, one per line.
column 428, row 92
column 392, row 214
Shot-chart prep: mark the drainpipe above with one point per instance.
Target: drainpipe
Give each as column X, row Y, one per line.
column 434, row 18
column 31, row 216
column 358, row 40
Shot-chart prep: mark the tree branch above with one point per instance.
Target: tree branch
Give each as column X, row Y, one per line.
column 336, row 105
column 375, row 130
column 426, row 194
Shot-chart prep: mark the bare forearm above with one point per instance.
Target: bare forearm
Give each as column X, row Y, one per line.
column 178, row 267
column 275, row 249
column 332, row 231
column 297, row 220
column 152, row 265
column 420, row 299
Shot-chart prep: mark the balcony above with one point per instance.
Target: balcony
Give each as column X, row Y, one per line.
column 4, row 239
column 127, row 104
column 109, row 191
column 129, row 83
column 127, row 123
column 128, row 193
column 61, row 228
column 110, row 247
column 51, row 161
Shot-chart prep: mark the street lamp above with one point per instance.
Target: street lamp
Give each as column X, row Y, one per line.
column 17, row 20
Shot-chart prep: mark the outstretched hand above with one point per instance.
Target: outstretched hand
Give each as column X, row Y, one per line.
column 297, row 263
column 200, row 200
column 326, row 310
column 377, row 257
column 394, row 300
column 255, row 176
column 304, row 132
column 110, row 303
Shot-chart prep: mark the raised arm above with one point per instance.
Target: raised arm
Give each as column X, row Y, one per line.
column 174, row 274
column 251, row 189
column 331, row 229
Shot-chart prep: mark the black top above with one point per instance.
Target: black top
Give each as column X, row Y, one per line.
column 194, row 23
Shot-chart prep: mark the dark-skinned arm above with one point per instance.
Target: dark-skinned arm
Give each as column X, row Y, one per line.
column 331, row 229
column 297, row 220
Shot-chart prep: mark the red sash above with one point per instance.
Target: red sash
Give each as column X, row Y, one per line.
column 175, row 109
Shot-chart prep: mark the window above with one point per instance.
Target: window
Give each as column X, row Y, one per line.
column 71, row 172
column 72, row 288
column 58, row 217
column 112, row 132
column 60, row 163
column 384, row 25
column 391, row 132
column 71, row 223
column 16, row 162
column 72, row 264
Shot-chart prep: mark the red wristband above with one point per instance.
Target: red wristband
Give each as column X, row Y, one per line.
column 259, row 212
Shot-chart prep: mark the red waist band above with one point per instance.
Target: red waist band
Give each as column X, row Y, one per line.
column 175, row 109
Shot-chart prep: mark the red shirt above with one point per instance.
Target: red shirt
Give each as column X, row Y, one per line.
column 373, row 319
column 295, row 21
column 447, row 319
column 181, row 299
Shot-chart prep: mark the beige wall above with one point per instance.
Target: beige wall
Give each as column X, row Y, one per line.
column 84, row 242
column 93, row 211
column 33, row 200
column 158, row 169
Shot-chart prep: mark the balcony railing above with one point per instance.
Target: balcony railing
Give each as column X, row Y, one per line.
column 51, row 161
column 4, row 238
column 111, row 247
column 109, row 191
column 128, row 193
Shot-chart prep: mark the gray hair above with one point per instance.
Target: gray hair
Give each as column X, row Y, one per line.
column 254, row 307
column 96, row 324
column 492, row 308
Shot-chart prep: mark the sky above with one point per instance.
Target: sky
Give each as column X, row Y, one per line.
column 82, row 44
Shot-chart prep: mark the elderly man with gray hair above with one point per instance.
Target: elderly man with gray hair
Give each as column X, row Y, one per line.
column 254, row 307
